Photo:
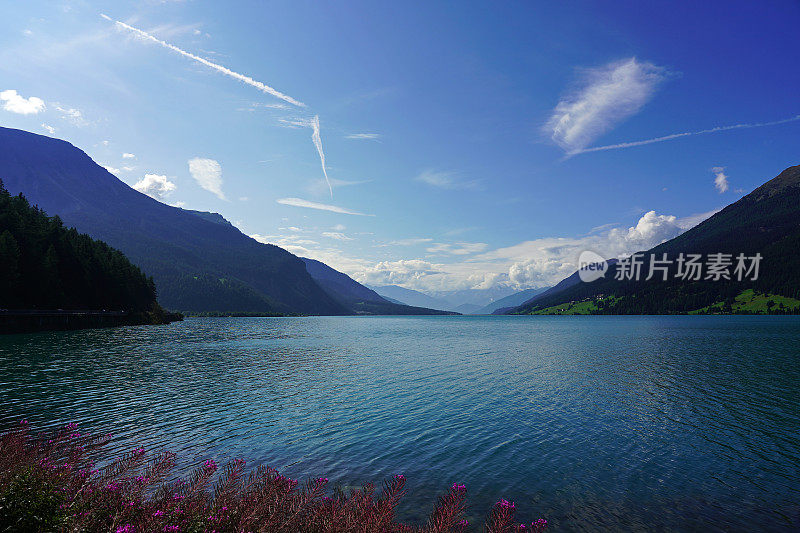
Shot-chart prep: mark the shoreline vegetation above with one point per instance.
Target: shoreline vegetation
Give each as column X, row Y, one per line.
column 36, row 320
column 49, row 482
column 55, row 278
column 748, row 302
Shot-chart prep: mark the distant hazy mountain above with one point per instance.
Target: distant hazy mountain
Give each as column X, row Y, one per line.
column 558, row 288
column 412, row 297
column 465, row 301
column 198, row 262
column 766, row 222
column 356, row 297
column 467, row 309
column 475, row 297
column 511, row 300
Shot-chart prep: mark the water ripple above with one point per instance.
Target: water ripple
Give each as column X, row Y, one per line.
column 621, row 423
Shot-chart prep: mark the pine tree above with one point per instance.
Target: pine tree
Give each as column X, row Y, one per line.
column 9, row 268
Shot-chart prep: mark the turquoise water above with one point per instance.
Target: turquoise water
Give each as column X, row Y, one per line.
column 595, row 423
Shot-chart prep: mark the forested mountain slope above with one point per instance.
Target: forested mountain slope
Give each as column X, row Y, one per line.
column 765, row 222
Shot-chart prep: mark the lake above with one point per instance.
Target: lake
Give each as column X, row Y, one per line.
column 650, row 423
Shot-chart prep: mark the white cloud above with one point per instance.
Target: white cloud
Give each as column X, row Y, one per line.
column 688, row 134
column 720, row 179
column 113, row 170
column 71, row 114
column 299, row 202
column 607, row 96
column 293, row 243
column 256, row 105
column 446, row 180
column 339, row 227
column 336, row 235
column 409, row 242
column 535, row 263
column 320, row 186
column 458, row 248
column 49, row 129
column 318, row 144
column 546, row 261
column 15, row 103
column 294, row 123
column 312, row 123
column 128, row 155
column 219, row 68
column 208, row 174
column 155, row 185
column 401, row 272
column 105, row 143
column 364, row 136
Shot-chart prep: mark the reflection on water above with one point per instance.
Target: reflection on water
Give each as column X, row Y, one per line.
column 634, row 423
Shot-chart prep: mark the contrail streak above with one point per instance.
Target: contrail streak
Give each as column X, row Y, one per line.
column 219, row 68
column 314, row 122
column 679, row 135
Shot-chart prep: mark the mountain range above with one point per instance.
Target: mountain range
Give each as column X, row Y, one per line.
column 358, row 298
column 765, row 222
column 464, row 301
column 199, row 261
column 510, row 301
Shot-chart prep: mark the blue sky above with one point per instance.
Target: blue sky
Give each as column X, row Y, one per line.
column 453, row 133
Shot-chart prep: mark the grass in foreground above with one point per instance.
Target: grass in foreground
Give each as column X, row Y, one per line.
column 51, row 484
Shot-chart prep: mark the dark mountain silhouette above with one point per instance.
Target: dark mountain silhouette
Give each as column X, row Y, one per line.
column 356, row 297
column 47, row 268
column 766, row 222
column 199, row 262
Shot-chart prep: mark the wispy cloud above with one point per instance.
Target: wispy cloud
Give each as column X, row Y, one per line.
column 336, row 235
column 318, row 187
column 72, row 114
column 458, row 248
column 15, row 103
column 128, row 155
column 299, row 202
column 446, row 180
column 364, row 136
column 312, row 123
column 548, row 260
column 318, row 144
column 154, row 185
column 264, row 105
column 688, row 134
column 208, row 174
column 49, row 129
column 720, row 179
column 219, row 68
column 408, row 242
column 607, row 95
